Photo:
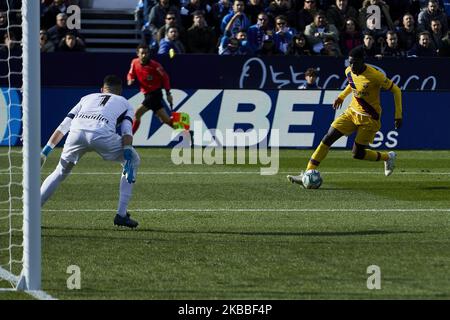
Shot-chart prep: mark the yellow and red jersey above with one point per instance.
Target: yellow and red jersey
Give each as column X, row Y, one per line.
column 366, row 92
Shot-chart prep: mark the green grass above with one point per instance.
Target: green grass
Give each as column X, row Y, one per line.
column 284, row 242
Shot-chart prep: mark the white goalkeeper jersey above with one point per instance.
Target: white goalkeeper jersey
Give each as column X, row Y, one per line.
column 100, row 112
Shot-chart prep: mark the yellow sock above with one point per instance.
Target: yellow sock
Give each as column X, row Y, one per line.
column 318, row 155
column 375, row 155
column 384, row 156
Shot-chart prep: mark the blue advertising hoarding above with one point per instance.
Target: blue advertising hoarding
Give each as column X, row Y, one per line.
column 301, row 117
column 10, row 117
column 248, row 92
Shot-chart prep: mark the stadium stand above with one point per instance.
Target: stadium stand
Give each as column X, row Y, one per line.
column 121, row 29
column 109, row 30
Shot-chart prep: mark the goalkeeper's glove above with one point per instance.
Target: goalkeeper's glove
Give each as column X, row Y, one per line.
column 127, row 152
column 128, row 169
column 44, row 153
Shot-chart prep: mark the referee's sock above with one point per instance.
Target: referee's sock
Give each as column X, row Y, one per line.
column 136, row 124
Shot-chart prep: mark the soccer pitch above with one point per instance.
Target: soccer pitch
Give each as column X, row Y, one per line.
column 226, row 232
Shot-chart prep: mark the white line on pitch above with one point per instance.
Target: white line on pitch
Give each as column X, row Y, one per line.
column 251, row 210
column 38, row 294
column 8, row 276
column 248, row 172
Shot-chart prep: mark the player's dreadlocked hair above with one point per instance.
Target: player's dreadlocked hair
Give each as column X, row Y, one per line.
column 357, row 52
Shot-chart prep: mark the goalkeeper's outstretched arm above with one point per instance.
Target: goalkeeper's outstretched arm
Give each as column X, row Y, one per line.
column 55, row 138
column 59, row 133
column 126, row 129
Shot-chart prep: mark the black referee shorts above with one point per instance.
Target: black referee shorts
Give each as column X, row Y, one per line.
column 153, row 100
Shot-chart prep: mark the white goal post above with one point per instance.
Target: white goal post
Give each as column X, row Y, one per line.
column 30, row 276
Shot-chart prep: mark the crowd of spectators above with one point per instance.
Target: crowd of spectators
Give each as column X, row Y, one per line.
column 55, row 34
column 10, row 29
column 403, row 28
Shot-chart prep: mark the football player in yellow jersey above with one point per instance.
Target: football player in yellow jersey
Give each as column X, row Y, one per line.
column 362, row 115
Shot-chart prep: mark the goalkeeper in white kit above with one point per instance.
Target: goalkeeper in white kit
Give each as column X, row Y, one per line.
column 92, row 127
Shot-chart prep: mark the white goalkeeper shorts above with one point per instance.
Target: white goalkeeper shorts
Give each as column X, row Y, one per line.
column 109, row 147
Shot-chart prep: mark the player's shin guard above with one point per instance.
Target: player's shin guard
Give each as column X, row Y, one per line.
column 136, row 124
column 318, row 155
column 371, row 155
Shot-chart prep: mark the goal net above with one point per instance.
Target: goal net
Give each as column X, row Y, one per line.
column 20, row 255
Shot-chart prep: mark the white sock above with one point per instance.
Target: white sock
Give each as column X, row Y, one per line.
column 51, row 183
column 126, row 190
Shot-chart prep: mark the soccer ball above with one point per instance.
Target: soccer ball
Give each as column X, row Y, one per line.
column 312, row 179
